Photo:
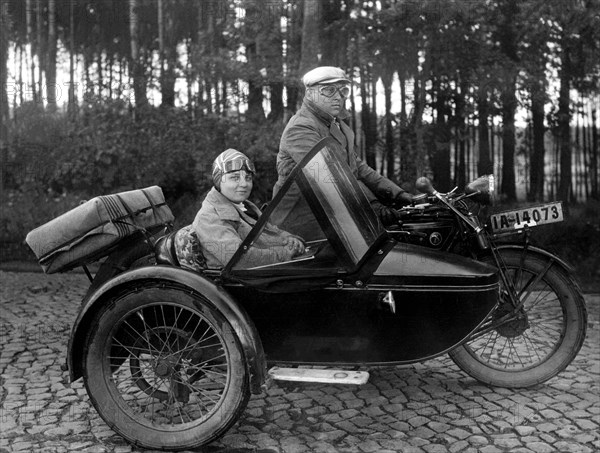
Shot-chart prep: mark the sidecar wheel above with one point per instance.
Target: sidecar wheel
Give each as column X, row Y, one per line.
column 165, row 369
column 538, row 343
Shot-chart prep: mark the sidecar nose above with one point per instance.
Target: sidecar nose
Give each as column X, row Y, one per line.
column 412, row 265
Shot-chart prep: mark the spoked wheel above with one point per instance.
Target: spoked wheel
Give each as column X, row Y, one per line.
column 165, row 369
column 531, row 344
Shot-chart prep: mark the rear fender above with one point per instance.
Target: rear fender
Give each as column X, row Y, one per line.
column 187, row 281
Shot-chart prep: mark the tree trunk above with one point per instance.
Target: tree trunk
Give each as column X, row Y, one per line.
column 139, row 82
column 311, row 35
column 20, row 82
column 508, row 45
column 585, row 151
column 256, row 112
column 509, row 107
column 564, row 130
column 41, row 49
column 217, row 97
column 100, row 70
column 330, row 37
column 461, row 132
column 122, row 66
column 5, row 23
column 224, row 97
column 51, row 68
column 160, row 7
column 415, row 164
column 594, row 155
column 71, row 105
column 353, row 118
column 440, row 143
column 203, row 53
column 273, row 60
column 484, row 163
column 110, row 83
column 86, row 70
column 536, row 175
column 389, row 130
column 32, row 40
column 168, row 52
column 577, row 190
column 293, row 51
column 366, row 119
column 189, row 78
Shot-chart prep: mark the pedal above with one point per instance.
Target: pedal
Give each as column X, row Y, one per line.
column 328, row 376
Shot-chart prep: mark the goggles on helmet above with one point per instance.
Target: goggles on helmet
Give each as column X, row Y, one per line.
column 236, row 164
column 330, row 90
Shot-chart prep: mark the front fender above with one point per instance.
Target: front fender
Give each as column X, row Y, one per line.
column 538, row 251
column 235, row 314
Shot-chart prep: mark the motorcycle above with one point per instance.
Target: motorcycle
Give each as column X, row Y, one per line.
column 169, row 355
column 540, row 322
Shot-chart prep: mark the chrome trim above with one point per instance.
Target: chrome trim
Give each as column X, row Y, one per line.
column 492, row 286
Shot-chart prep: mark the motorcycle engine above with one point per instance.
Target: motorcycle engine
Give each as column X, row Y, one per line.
column 429, row 226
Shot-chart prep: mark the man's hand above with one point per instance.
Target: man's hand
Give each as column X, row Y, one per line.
column 403, row 199
column 294, row 244
column 388, row 216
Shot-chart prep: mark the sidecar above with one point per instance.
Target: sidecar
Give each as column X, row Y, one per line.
column 170, row 356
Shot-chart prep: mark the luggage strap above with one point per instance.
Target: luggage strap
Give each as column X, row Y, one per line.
column 130, row 213
column 155, row 210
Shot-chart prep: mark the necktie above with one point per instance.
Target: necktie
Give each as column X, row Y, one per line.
column 336, row 132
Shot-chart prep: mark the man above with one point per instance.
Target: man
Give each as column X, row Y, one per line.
column 320, row 116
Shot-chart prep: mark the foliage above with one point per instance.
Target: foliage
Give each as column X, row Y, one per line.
column 577, row 241
column 54, row 161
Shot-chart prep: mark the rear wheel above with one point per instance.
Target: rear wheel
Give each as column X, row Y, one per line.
column 530, row 345
column 165, row 369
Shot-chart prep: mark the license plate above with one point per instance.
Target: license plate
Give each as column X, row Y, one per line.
column 531, row 216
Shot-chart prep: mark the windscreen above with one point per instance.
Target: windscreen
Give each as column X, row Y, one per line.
column 344, row 207
column 322, row 203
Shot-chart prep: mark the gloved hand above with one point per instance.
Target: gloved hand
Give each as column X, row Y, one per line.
column 403, row 199
column 388, row 216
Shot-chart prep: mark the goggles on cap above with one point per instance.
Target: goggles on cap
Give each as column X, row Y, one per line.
column 329, row 90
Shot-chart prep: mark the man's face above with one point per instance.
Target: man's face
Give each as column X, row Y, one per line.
column 330, row 98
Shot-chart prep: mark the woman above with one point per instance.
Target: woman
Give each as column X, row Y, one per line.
column 226, row 217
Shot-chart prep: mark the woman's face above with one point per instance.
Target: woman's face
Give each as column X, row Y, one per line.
column 236, row 186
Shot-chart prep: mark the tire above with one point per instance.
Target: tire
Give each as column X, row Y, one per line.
column 528, row 351
column 165, row 369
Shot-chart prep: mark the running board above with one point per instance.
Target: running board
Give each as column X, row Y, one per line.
column 329, row 376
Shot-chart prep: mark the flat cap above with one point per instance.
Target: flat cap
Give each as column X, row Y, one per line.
column 324, row 75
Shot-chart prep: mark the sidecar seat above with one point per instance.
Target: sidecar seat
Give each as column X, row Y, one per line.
column 181, row 248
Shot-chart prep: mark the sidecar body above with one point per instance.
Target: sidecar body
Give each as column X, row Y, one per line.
column 356, row 297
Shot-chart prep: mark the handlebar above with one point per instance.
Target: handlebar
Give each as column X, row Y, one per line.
column 423, row 184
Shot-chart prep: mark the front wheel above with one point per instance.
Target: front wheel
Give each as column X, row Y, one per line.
column 165, row 369
column 532, row 344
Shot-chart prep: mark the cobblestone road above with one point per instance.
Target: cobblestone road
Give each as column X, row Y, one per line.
column 431, row 407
